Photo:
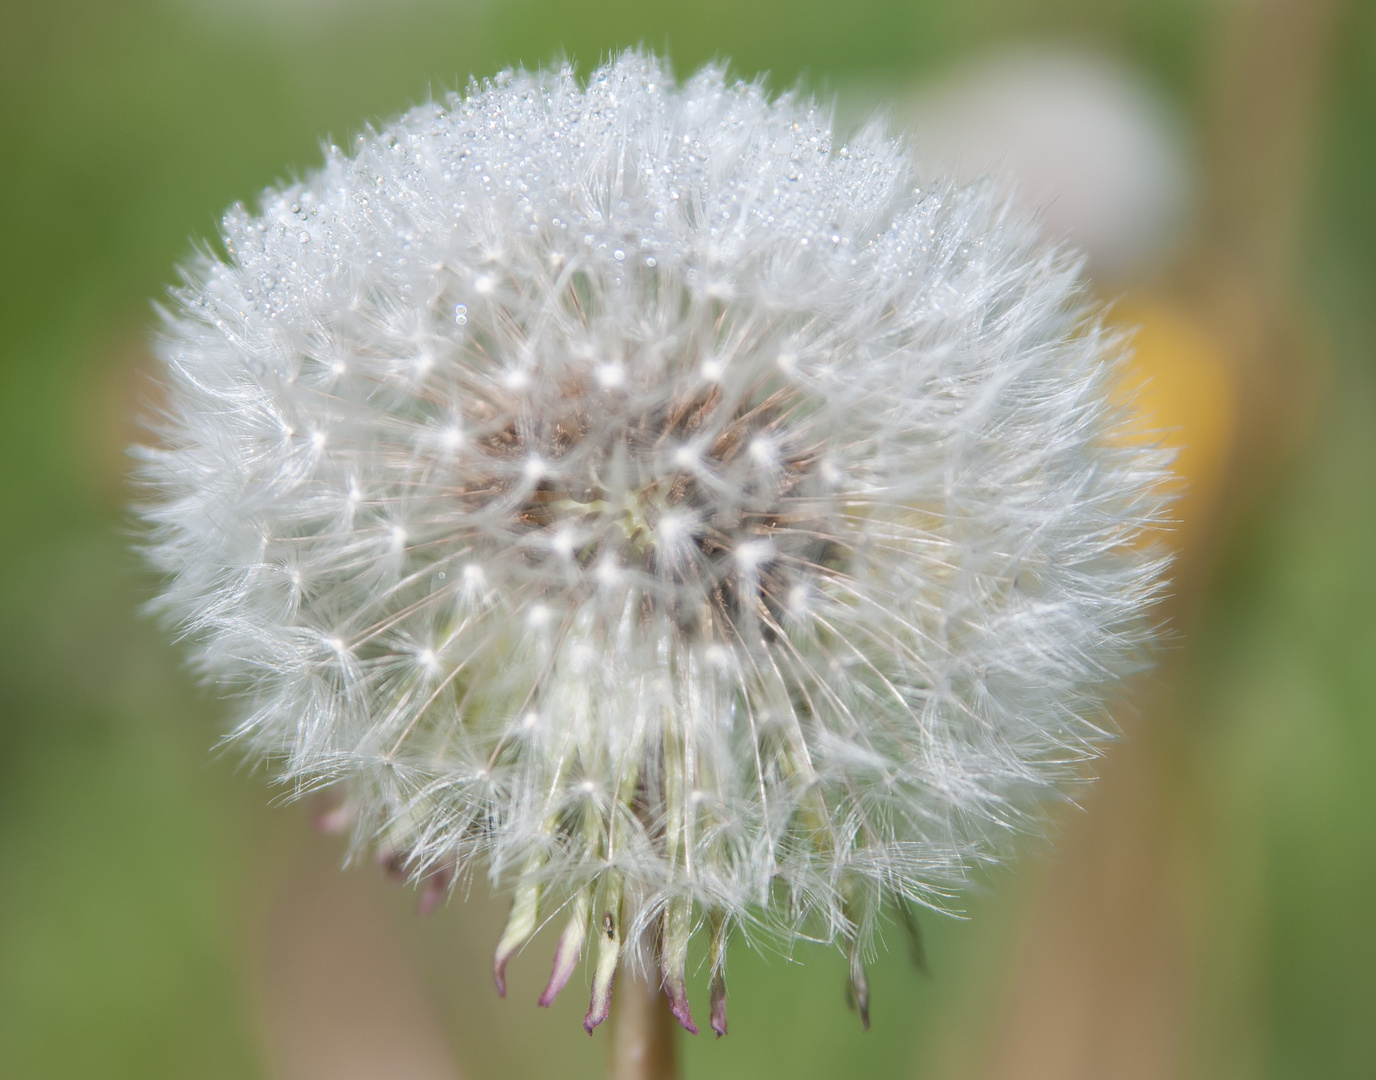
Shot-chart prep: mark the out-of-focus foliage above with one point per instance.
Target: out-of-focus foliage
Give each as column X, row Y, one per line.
column 129, row 855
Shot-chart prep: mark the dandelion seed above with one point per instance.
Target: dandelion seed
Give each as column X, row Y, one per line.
column 705, row 613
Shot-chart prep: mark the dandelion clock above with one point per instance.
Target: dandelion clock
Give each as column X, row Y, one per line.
column 621, row 491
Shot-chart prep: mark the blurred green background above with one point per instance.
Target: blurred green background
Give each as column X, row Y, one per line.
column 141, row 873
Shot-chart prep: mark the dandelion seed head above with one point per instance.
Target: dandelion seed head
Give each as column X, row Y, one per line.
column 771, row 544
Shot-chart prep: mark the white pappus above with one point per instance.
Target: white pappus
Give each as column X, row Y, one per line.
column 623, row 489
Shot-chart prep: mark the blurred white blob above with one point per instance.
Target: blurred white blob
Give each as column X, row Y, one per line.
column 1088, row 143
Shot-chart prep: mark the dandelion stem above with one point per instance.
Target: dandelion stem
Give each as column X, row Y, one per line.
column 644, row 1032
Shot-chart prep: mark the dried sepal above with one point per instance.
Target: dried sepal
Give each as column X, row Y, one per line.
column 677, row 928
column 570, row 948
column 520, row 924
column 608, row 954
column 716, row 959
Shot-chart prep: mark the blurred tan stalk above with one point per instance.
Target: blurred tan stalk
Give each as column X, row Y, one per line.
column 643, row 1043
column 337, row 993
column 1101, row 981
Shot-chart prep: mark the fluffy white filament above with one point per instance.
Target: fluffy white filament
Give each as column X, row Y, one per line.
column 627, row 490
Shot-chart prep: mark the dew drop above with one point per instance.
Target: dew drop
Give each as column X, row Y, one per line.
column 670, row 528
column 610, row 376
column 563, row 543
column 752, row 553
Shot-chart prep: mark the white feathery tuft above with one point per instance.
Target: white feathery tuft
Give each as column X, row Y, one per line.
column 625, row 489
